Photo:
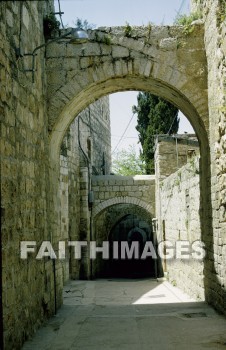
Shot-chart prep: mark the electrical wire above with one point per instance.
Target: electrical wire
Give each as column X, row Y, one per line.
column 60, row 14
column 180, row 10
column 128, row 137
column 123, row 134
column 172, row 124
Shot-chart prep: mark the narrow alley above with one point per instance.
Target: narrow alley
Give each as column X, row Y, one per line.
column 92, row 256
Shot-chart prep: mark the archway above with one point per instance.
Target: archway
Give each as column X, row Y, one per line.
column 161, row 60
column 130, row 237
column 158, row 64
column 94, row 91
column 124, row 222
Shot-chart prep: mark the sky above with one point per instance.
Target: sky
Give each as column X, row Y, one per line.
column 117, row 13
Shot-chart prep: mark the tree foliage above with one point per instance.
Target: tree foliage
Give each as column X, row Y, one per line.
column 154, row 116
column 127, row 162
column 84, row 24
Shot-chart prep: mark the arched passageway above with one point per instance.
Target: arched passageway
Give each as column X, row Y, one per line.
column 164, row 62
column 127, row 227
column 132, row 234
column 187, row 70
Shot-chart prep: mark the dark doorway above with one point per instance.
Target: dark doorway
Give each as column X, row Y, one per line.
column 130, row 231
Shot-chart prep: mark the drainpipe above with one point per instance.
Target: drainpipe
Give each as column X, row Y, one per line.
column 1, row 306
column 54, row 277
column 154, row 232
column 90, row 200
column 164, row 247
column 177, row 154
column 91, row 238
column 89, row 186
column 55, row 289
column 80, row 146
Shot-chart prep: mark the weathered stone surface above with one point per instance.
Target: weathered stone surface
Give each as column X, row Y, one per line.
column 119, row 51
column 168, row 44
column 35, row 117
column 178, row 205
column 127, row 189
column 28, row 291
column 153, row 53
column 87, row 139
column 215, row 34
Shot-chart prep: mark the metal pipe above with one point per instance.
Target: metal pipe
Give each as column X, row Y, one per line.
column 40, row 47
column 80, row 146
column 89, row 186
column 54, row 282
column 154, row 239
column 1, row 285
column 78, row 35
column 177, row 155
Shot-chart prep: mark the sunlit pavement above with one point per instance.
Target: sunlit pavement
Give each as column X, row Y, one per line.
column 130, row 314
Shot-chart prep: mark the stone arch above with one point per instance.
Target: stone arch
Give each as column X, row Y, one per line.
column 121, row 200
column 143, row 213
column 166, row 63
column 112, row 221
column 107, row 221
column 141, row 232
column 114, row 84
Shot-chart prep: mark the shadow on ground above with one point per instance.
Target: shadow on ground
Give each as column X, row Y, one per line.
column 130, row 314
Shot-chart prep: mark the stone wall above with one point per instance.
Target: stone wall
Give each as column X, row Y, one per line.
column 89, row 135
column 98, row 118
column 113, row 189
column 29, row 208
column 28, row 285
column 172, row 152
column 214, row 18
column 85, row 149
column 180, row 204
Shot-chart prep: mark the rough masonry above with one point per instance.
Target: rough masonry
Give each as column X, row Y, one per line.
column 187, row 70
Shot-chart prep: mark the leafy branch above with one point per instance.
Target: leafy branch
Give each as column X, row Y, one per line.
column 186, row 22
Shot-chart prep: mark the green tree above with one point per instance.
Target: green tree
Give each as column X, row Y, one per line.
column 127, row 162
column 154, row 116
column 84, row 24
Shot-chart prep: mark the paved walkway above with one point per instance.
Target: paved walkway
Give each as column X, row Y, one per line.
column 130, row 315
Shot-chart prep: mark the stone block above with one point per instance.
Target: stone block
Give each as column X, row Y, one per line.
column 168, row 44
column 91, row 49
column 119, row 52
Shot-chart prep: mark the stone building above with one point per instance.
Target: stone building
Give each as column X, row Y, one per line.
column 42, row 93
column 93, row 202
column 85, row 151
column 177, row 195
